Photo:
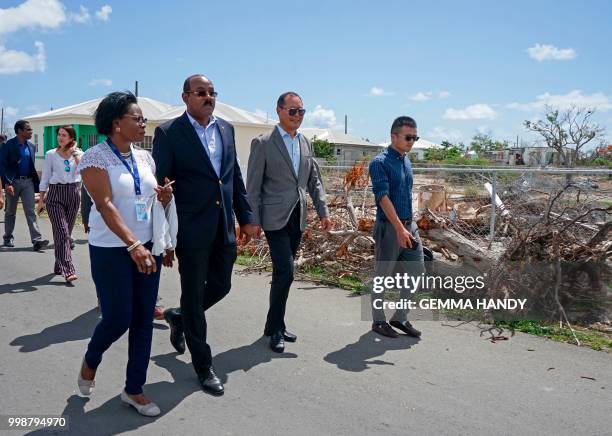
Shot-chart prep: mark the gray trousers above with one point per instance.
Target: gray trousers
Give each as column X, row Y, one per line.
column 392, row 259
column 24, row 190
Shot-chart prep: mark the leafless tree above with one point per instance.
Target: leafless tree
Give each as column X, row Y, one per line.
column 571, row 129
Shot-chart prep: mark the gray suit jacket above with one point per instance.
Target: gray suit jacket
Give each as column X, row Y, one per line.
column 272, row 187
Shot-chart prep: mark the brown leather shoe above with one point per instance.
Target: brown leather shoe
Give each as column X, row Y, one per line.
column 407, row 328
column 384, row 329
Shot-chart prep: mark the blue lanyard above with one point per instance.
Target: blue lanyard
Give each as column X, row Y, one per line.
column 133, row 170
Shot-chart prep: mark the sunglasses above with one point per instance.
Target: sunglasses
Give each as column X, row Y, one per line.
column 138, row 119
column 67, row 165
column 411, row 138
column 213, row 94
column 293, row 111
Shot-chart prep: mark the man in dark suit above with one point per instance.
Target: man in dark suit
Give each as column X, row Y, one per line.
column 20, row 181
column 197, row 151
column 282, row 169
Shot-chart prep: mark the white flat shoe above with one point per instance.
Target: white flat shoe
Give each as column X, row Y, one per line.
column 150, row 409
column 85, row 386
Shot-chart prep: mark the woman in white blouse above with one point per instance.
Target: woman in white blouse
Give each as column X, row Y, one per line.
column 121, row 182
column 60, row 187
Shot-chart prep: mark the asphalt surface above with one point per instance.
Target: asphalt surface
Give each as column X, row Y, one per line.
column 338, row 379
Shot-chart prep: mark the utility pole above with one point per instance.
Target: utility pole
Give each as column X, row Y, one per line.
column 345, row 124
column 136, row 89
column 2, row 122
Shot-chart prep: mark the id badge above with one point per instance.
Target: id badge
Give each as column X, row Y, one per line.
column 142, row 214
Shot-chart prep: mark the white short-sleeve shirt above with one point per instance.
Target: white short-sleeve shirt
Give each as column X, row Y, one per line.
column 123, row 193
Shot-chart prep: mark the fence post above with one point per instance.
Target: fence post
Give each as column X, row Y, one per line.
column 493, row 205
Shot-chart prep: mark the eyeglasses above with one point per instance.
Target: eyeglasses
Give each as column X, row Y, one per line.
column 293, row 111
column 138, row 119
column 213, row 94
column 411, row 138
column 67, row 164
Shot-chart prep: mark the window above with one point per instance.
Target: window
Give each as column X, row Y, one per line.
column 338, row 151
column 146, row 144
column 92, row 140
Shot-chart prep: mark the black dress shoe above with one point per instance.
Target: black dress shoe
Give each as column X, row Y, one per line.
column 407, row 328
column 277, row 342
column 39, row 245
column 384, row 329
column 177, row 338
column 210, row 382
column 8, row 242
column 289, row 337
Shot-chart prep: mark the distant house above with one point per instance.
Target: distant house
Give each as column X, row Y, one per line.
column 536, row 155
column 605, row 151
column 348, row 149
column 419, row 148
column 247, row 125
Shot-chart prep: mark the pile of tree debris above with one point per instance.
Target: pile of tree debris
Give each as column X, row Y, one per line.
column 550, row 246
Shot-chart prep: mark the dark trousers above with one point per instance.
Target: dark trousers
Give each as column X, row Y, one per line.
column 206, row 277
column 127, row 298
column 283, row 245
column 62, row 203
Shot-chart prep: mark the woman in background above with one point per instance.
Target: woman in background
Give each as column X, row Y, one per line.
column 60, row 194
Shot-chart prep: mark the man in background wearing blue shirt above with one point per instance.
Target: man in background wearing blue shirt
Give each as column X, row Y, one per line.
column 398, row 246
column 20, row 180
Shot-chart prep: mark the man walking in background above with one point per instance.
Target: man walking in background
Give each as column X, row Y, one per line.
column 20, row 181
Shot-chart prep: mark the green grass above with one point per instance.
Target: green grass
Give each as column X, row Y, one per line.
column 348, row 282
column 246, row 260
column 591, row 338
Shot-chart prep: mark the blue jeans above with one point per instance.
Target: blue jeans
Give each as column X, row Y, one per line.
column 127, row 298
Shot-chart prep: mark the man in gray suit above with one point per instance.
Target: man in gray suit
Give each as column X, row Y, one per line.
column 281, row 169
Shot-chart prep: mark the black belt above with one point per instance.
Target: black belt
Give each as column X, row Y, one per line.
column 23, row 177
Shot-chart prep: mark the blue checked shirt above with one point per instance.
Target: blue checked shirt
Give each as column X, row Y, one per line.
column 391, row 175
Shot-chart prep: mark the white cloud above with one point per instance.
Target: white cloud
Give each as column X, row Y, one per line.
column 598, row 101
column 421, row 96
column 82, row 17
column 104, row 12
column 473, row 112
column 11, row 112
column 443, row 133
column 100, row 82
column 45, row 14
column 547, row 52
column 375, row 91
column 14, row 62
column 321, row 117
column 443, row 94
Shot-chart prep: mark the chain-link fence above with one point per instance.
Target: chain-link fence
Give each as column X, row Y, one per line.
column 475, row 201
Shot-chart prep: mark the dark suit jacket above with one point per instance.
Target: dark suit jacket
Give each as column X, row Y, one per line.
column 199, row 194
column 10, row 157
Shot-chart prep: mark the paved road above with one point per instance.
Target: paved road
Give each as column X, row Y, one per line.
column 339, row 378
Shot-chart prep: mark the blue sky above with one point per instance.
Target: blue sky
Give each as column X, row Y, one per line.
column 456, row 67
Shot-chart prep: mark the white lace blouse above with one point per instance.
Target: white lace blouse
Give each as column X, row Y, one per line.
column 123, row 193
